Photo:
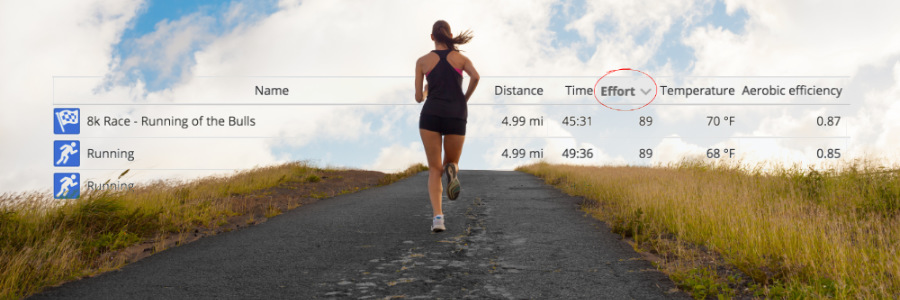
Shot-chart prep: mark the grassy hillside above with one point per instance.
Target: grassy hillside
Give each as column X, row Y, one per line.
column 727, row 231
column 45, row 242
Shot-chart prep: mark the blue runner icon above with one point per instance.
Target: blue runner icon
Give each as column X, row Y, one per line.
column 65, row 185
column 66, row 154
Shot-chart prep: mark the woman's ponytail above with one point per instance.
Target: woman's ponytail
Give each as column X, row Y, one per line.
column 441, row 33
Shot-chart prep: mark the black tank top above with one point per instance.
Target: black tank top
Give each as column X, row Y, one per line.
column 445, row 96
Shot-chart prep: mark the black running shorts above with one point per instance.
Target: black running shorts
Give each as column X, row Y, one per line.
column 444, row 126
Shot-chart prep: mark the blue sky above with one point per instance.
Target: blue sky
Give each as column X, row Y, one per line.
column 217, row 20
column 137, row 52
column 155, row 12
column 671, row 50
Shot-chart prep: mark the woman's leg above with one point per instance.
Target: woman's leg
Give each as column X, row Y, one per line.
column 432, row 142
column 452, row 150
column 453, row 144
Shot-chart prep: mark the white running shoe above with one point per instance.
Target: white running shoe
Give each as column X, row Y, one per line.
column 437, row 225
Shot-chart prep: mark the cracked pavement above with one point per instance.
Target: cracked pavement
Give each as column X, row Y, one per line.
column 509, row 236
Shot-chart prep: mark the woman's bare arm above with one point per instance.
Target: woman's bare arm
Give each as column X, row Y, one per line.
column 419, row 79
column 469, row 68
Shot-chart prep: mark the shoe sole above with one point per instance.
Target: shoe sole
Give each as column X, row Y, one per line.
column 453, row 186
column 436, row 230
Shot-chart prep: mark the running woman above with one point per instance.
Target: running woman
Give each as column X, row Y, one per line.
column 442, row 121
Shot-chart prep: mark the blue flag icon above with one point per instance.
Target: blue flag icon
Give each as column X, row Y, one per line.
column 66, row 121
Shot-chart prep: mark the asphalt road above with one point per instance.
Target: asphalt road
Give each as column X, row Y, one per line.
column 508, row 236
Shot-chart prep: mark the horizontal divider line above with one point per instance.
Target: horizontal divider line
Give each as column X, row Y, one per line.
column 484, row 76
column 665, row 137
column 480, row 137
column 471, row 104
column 133, row 169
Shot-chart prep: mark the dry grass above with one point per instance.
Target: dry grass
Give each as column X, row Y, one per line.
column 45, row 242
column 391, row 178
column 794, row 233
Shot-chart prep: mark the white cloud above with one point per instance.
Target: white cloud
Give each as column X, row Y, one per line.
column 799, row 38
column 674, row 149
column 613, row 26
column 328, row 38
column 167, row 51
column 42, row 40
column 814, row 38
column 885, row 113
column 397, row 157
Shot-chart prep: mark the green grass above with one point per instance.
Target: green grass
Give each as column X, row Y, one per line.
column 702, row 283
column 793, row 233
column 45, row 242
column 313, row 178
